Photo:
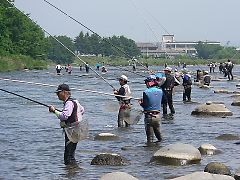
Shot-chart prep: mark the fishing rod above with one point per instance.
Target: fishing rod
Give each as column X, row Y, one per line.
column 77, row 89
column 67, row 49
column 25, row 98
column 119, row 49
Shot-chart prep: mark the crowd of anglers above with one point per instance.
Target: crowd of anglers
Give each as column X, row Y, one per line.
column 156, row 98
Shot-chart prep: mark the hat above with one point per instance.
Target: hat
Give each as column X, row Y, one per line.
column 123, row 77
column 159, row 75
column 168, row 69
column 62, row 87
column 150, row 78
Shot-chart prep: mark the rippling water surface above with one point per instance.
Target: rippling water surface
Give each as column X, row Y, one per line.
column 32, row 144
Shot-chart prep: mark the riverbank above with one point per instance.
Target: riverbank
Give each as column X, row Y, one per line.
column 20, row 62
column 117, row 61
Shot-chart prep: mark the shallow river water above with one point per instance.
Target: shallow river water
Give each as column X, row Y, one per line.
column 32, row 144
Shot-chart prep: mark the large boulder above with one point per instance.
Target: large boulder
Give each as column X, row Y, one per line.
column 109, row 159
column 204, row 176
column 106, row 137
column 177, row 154
column 117, row 176
column 207, row 149
column 212, row 109
column 217, row 168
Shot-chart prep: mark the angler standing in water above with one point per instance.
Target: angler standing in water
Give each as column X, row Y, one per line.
column 167, row 89
column 151, row 103
column 58, row 69
column 187, row 86
column 72, row 113
column 124, row 102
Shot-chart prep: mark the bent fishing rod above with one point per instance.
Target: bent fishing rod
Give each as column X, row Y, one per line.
column 77, row 89
column 25, row 98
column 66, row 48
column 119, row 49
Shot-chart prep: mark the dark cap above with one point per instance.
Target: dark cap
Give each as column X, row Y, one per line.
column 62, row 87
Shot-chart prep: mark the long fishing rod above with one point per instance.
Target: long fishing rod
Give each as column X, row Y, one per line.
column 67, row 49
column 119, row 49
column 77, row 89
column 25, row 98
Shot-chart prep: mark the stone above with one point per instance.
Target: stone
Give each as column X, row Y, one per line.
column 204, row 176
column 228, row 137
column 117, row 176
column 109, row 159
column 217, row 168
column 106, row 137
column 212, row 109
column 207, row 149
column 236, row 103
column 237, row 174
column 177, row 154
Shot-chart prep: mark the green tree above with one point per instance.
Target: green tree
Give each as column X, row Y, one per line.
column 18, row 34
column 58, row 53
column 206, row 51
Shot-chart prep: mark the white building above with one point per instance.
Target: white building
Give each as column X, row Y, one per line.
column 170, row 48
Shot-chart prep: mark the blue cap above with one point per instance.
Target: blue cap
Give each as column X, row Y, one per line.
column 150, row 78
column 159, row 75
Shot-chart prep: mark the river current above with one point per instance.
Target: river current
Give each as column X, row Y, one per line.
column 32, row 143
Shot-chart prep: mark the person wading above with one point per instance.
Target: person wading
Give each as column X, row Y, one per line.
column 187, row 86
column 151, row 103
column 167, row 89
column 72, row 112
column 125, row 106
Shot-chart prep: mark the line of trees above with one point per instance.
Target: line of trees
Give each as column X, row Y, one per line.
column 20, row 36
column 214, row 51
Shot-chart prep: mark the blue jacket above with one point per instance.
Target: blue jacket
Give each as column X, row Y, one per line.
column 152, row 98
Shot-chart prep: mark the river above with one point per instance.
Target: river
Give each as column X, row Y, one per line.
column 32, row 144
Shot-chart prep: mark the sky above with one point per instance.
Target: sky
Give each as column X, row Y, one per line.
column 141, row 20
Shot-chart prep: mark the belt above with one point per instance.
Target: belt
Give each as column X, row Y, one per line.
column 167, row 89
column 152, row 112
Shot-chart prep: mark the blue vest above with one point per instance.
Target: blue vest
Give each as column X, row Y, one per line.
column 153, row 99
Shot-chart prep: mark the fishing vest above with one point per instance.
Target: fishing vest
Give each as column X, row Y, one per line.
column 153, row 99
column 169, row 83
column 186, row 80
column 127, row 92
column 76, row 113
column 207, row 79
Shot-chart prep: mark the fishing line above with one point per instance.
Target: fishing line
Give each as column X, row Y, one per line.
column 77, row 89
column 25, row 98
column 134, row 59
column 67, row 49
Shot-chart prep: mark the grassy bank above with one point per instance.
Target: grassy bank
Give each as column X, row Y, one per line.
column 20, row 62
column 150, row 61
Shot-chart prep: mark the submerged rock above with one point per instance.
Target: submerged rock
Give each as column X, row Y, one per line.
column 204, row 176
column 207, row 149
column 228, row 137
column 217, row 168
column 236, row 103
column 109, row 159
column 106, row 137
column 118, row 176
column 222, row 91
column 212, row 109
column 177, row 154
